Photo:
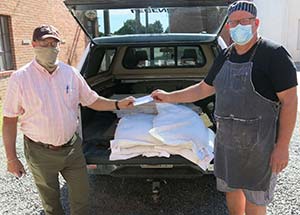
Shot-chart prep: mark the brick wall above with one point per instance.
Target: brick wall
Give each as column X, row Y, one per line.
column 25, row 15
column 3, row 83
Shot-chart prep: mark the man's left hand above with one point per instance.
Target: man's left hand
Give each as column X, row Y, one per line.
column 279, row 158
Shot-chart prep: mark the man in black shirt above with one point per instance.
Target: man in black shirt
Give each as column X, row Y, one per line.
column 273, row 70
column 256, row 105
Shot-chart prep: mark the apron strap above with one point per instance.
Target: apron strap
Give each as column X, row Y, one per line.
column 229, row 51
column 254, row 51
column 230, row 48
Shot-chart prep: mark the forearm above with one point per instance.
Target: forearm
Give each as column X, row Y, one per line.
column 192, row 93
column 287, row 120
column 9, row 131
column 103, row 104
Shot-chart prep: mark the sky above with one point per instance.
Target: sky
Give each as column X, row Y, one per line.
column 118, row 17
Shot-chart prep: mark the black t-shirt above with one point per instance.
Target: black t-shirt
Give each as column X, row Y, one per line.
column 273, row 69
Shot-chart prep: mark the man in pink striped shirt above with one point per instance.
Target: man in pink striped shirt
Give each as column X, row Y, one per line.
column 44, row 96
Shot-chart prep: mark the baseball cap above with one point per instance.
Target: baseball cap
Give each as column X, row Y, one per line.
column 45, row 31
column 247, row 6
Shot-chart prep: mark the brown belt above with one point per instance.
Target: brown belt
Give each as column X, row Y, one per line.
column 52, row 147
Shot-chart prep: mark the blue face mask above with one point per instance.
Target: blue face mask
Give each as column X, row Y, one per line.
column 241, row 34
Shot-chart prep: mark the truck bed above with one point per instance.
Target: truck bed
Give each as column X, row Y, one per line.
column 99, row 128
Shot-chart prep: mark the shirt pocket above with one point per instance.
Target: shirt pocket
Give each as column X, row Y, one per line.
column 71, row 96
column 237, row 133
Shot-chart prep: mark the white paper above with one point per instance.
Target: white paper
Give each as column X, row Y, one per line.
column 143, row 100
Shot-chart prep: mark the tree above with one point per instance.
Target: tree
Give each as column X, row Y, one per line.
column 156, row 27
column 101, row 34
column 132, row 26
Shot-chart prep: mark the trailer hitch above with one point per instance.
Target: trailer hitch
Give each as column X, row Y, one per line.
column 156, row 189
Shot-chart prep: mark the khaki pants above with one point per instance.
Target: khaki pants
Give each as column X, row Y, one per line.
column 45, row 164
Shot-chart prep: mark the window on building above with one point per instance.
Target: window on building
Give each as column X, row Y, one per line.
column 5, row 47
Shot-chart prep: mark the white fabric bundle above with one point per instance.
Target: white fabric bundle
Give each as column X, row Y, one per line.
column 178, row 125
column 175, row 130
column 132, row 138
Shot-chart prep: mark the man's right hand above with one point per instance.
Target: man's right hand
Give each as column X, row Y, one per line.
column 160, row 96
column 126, row 102
column 16, row 168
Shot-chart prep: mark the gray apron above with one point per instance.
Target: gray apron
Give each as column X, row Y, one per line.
column 246, row 128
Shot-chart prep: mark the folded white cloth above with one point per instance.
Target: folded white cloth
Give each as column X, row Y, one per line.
column 179, row 125
column 136, row 128
column 175, row 130
column 132, row 138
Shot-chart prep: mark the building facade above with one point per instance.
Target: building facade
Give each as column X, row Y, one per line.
column 17, row 22
column 280, row 21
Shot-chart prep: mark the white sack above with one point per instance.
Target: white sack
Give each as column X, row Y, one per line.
column 176, row 125
column 136, row 128
column 132, row 138
column 175, row 130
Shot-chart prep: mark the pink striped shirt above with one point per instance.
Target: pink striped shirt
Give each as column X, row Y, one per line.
column 47, row 104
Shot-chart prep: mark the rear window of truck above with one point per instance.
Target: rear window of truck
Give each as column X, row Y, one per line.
column 163, row 56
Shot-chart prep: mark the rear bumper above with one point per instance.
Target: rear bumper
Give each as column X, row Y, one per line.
column 142, row 167
column 148, row 171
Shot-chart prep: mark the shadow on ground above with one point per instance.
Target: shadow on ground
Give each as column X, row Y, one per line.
column 119, row 196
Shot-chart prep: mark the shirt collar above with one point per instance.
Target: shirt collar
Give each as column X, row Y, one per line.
column 40, row 68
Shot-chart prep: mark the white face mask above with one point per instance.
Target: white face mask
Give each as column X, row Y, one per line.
column 47, row 57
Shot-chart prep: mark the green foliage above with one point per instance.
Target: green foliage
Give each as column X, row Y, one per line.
column 101, row 34
column 156, row 27
column 132, row 26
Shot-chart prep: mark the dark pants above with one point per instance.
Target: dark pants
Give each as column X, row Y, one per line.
column 45, row 164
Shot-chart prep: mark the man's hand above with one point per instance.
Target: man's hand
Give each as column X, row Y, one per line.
column 279, row 158
column 126, row 103
column 160, row 96
column 15, row 167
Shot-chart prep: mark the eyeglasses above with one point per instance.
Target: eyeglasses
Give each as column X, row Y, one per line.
column 244, row 21
column 44, row 43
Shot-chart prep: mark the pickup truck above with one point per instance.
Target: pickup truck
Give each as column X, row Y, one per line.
column 116, row 66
